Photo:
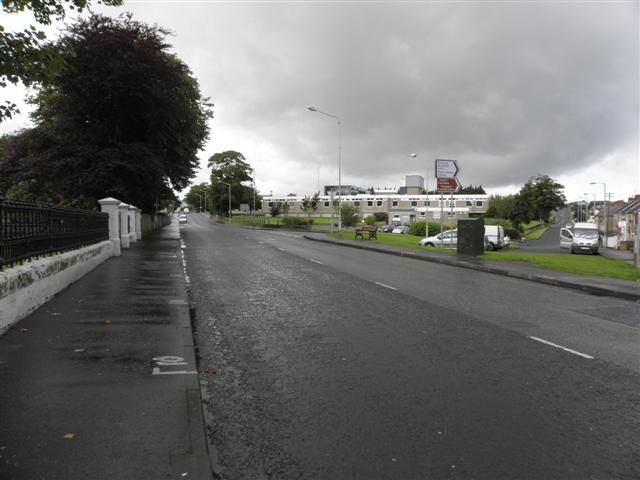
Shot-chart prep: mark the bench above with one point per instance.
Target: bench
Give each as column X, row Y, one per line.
column 372, row 231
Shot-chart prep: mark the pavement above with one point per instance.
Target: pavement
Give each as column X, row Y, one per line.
column 592, row 284
column 101, row 381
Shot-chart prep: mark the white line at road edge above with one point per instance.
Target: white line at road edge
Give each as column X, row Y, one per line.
column 315, row 261
column 386, row 286
column 583, row 355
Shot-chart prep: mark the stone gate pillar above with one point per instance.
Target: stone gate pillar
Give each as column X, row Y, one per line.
column 110, row 206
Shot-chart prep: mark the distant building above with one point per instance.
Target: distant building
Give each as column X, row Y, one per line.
column 408, row 201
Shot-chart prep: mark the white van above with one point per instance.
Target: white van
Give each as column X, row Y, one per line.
column 582, row 237
column 494, row 237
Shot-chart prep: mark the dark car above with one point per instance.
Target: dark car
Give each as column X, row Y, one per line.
column 387, row 228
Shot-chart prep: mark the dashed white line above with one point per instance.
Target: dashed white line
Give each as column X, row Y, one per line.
column 386, row 286
column 580, row 354
column 316, row 261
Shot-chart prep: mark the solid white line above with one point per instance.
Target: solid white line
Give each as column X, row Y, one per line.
column 156, row 371
column 315, row 261
column 386, row 286
column 583, row 355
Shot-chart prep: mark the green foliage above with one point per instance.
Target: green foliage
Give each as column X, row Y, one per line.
column 275, row 209
column 231, row 167
column 350, row 215
column 296, row 221
column 381, row 217
column 122, row 117
column 468, row 190
column 199, row 197
column 370, row 220
column 418, row 228
column 23, row 55
column 543, row 195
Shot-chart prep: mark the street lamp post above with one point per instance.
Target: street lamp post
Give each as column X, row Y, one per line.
column 604, row 209
column 314, row 109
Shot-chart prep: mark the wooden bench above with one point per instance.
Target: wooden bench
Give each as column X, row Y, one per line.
column 372, row 230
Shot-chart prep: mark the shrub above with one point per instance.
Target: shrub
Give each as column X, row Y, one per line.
column 370, row 220
column 381, row 217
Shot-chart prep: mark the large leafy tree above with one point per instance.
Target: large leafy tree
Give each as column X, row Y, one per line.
column 23, row 56
column 543, row 195
column 123, row 117
column 231, row 168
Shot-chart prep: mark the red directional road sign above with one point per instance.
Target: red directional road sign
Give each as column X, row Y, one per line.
column 447, row 185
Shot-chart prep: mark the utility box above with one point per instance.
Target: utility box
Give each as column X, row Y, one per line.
column 471, row 236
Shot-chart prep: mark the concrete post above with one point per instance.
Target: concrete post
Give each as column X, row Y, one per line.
column 133, row 236
column 138, row 223
column 110, row 206
column 123, row 210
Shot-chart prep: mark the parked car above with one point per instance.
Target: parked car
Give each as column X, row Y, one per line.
column 387, row 228
column 448, row 239
column 182, row 218
column 401, row 229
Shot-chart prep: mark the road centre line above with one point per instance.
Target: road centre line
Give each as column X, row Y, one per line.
column 583, row 355
column 316, row 261
column 386, row 286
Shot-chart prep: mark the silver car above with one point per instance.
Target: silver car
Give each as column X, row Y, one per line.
column 447, row 239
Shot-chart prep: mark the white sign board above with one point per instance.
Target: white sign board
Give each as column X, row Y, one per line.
column 446, row 168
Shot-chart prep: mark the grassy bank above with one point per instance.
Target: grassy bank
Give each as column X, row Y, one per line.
column 588, row 265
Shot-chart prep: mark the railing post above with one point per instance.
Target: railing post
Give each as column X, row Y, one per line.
column 133, row 236
column 138, row 223
column 123, row 209
column 110, row 206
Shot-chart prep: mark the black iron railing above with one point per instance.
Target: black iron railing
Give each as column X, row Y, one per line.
column 29, row 230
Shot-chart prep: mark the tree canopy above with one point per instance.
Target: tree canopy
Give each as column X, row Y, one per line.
column 23, row 56
column 230, row 167
column 122, row 117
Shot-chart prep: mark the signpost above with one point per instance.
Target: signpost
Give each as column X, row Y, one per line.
column 448, row 185
column 446, row 182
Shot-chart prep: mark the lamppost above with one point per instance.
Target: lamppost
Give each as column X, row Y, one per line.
column 604, row 208
column 314, row 109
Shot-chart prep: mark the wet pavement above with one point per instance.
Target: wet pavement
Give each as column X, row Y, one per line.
column 101, row 381
column 592, row 284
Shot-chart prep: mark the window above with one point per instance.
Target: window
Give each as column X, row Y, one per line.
column 270, row 204
column 326, row 204
column 414, row 203
column 356, row 204
column 469, row 203
column 369, row 203
column 479, row 203
column 394, row 203
column 379, row 203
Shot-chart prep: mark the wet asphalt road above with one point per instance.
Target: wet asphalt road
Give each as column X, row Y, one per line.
column 321, row 362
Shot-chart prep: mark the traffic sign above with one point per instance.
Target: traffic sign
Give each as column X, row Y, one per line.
column 446, row 168
column 447, row 185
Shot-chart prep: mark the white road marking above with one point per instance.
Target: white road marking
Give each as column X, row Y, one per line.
column 281, row 249
column 316, row 261
column 386, row 286
column 156, row 371
column 583, row 355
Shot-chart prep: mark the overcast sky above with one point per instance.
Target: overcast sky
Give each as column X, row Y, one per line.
column 508, row 89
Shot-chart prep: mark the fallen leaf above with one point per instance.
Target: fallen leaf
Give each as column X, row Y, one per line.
column 70, row 436
column 24, row 329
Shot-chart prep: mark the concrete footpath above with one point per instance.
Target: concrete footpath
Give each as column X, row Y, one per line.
column 595, row 285
column 101, row 381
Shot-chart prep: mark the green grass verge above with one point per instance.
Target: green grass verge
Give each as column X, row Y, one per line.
column 593, row 265
column 536, row 234
column 588, row 265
